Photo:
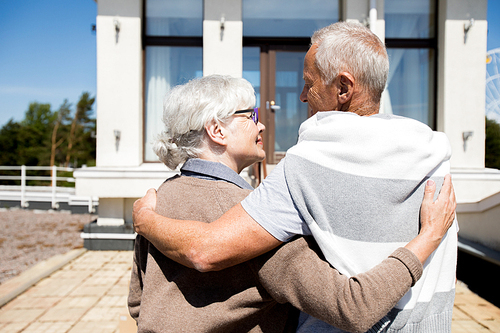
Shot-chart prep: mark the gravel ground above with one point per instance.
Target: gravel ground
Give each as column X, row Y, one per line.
column 31, row 236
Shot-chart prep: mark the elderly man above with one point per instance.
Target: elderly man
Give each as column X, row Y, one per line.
column 351, row 179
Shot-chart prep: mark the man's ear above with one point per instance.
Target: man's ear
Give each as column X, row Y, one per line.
column 346, row 87
column 216, row 133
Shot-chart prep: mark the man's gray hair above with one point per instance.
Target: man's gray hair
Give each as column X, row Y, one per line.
column 353, row 48
column 189, row 107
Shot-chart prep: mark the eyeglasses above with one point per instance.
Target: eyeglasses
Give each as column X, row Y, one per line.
column 254, row 114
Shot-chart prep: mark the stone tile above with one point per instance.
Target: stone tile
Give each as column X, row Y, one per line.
column 48, row 327
column 20, row 315
column 53, row 287
column 98, row 256
column 118, row 290
column 118, row 266
column 458, row 314
column 112, row 301
column 467, row 326
column 90, row 291
column 57, row 314
column 124, row 256
column 493, row 325
column 71, row 274
column 125, row 280
column 95, row 327
column 109, row 273
column 33, row 302
column 481, row 310
column 99, row 282
column 12, row 327
column 78, row 302
column 99, row 314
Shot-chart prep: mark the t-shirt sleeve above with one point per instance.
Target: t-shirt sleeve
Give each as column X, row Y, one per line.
column 271, row 206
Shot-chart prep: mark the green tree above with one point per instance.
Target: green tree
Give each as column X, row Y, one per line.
column 36, row 130
column 62, row 117
column 81, row 129
column 492, row 145
column 10, row 143
column 46, row 137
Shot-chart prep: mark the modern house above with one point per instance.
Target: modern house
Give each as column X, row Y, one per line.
column 437, row 51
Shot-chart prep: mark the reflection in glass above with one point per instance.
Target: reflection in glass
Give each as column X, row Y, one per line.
column 289, row 84
column 410, row 18
column 410, row 89
column 166, row 67
column 174, row 18
column 251, row 69
column 287, row 18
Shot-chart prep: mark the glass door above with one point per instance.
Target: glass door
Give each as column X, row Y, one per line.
column 282, row 111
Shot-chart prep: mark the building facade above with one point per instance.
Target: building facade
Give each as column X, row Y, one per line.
column 437, row 51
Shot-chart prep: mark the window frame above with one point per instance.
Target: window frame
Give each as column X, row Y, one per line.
column 423, row 43
column 146, row 40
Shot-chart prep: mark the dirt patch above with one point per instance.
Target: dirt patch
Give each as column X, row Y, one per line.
column 31, row 236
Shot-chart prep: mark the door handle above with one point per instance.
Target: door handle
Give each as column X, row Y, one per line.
column 272, row 106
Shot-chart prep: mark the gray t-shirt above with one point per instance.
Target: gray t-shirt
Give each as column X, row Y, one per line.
column 271, row 206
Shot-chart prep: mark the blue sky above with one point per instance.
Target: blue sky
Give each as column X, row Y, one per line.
column 48, row 52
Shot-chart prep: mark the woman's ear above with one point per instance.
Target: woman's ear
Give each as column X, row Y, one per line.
column 216, row 132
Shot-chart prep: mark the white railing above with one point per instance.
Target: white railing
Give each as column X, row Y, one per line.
column 53, row 179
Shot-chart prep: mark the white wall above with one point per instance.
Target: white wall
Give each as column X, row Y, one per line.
column 119, row 83
column 222, row 48
column 461, row 79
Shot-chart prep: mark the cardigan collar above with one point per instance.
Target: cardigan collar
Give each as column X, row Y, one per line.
column 203, row 169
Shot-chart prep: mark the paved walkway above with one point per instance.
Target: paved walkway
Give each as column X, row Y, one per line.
column 86, row 291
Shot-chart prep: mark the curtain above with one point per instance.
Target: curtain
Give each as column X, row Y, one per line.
column 157, row 85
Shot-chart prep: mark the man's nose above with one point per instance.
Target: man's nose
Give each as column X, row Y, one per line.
column 303, row 95
column 261, row 127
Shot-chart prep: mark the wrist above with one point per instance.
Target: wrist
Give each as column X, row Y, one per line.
column 422, row 246
column 431, row 236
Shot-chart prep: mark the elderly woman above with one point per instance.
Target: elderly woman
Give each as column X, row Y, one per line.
column 213, row 130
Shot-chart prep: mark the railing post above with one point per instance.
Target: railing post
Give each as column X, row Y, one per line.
column 91, row 205
column 24, row 204
column 54, row 183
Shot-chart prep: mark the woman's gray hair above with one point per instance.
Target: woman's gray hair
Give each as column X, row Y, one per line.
column 351, row 47
column 189, row 107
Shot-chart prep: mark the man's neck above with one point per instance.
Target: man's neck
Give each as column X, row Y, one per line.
column 363, row 105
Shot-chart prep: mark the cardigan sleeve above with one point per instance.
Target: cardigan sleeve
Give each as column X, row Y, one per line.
column 295, row 273
column 136, row 283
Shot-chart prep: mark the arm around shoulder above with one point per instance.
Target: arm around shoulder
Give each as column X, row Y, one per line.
column 296, row 274
column 228, row 241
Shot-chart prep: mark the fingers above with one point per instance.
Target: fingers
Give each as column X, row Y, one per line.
column 446, row 189
column 430, row 189
column 447, row 198
column 150, row 192
column 453, row 198
column 147, row 201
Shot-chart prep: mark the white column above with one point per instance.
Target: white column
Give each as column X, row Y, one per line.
column 222, row 38
column 461, row 79
column 119, row 83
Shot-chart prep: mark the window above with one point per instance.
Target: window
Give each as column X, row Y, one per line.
column 173, row 56
column 174, row 18
column 411, row 45
column 287, row 18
